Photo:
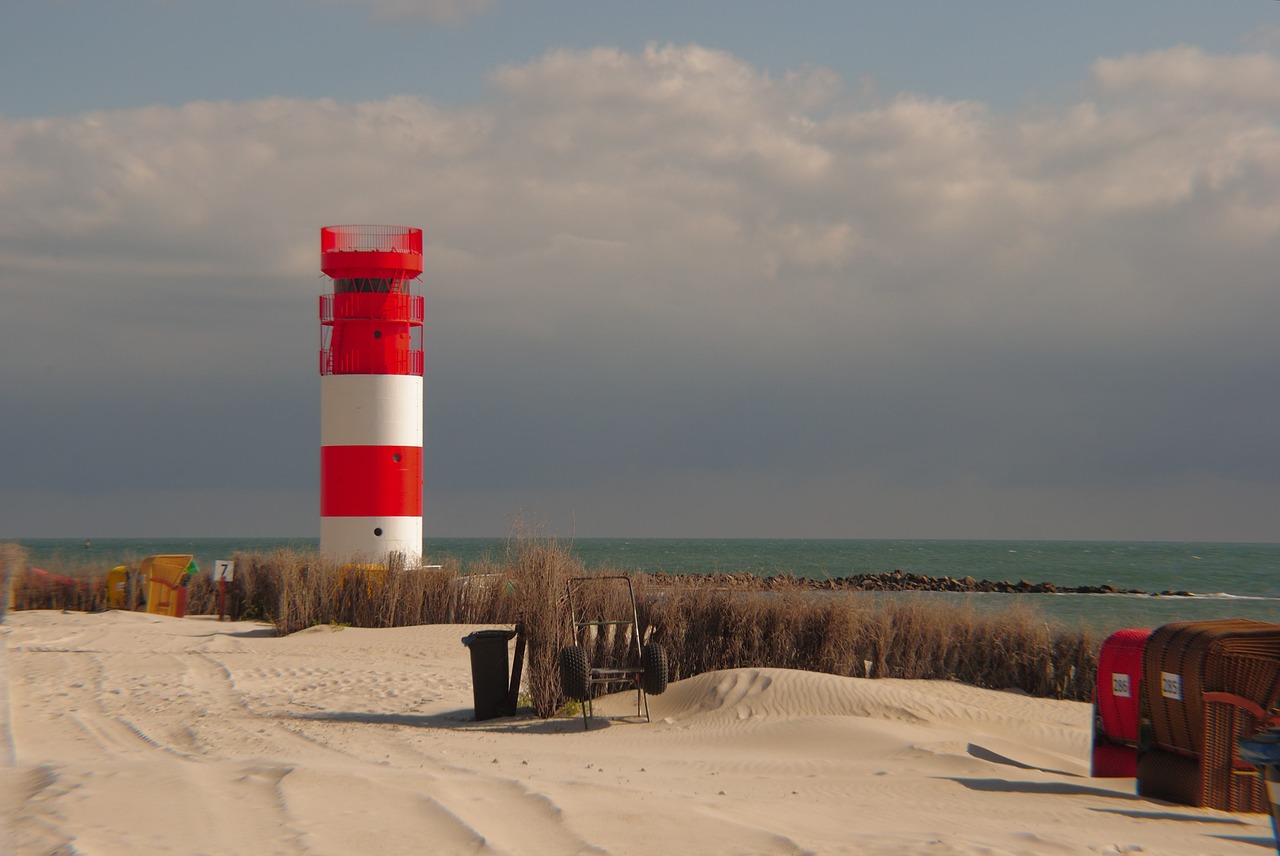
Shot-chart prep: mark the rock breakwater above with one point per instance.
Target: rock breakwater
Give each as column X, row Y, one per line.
column 895, row 581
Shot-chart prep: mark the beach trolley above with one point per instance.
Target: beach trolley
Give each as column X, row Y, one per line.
column 1115, row 705
column 1206, row 686
column 607, row 650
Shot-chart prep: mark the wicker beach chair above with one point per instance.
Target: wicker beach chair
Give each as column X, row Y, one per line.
column 1206, row 685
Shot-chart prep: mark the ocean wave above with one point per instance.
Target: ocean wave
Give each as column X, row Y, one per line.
column 1148, row 595
column 1224, row 595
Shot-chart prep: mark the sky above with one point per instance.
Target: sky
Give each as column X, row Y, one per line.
column 991, row 270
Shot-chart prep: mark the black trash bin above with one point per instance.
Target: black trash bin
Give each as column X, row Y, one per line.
column 1263, row 751
column 489, row 671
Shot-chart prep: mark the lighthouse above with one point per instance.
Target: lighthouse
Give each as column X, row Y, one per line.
column 371, row 394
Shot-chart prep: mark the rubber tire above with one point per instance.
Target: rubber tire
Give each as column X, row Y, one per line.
column 574, row 673
column 656, row 670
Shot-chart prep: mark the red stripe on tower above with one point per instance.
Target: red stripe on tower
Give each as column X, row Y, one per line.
column 370, row 393
column 381, row 480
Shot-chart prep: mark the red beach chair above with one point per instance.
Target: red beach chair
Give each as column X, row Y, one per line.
column 1115, row 705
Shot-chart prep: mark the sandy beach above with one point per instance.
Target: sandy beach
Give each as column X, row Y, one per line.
column 127, row 733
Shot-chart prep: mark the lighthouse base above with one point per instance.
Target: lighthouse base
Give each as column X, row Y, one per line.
column 371, row 539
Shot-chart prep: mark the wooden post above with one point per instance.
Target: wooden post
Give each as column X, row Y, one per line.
column 223, row 571
column 517, row 667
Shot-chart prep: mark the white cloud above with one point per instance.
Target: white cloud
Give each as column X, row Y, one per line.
column 675, row 253
column 1187, row 74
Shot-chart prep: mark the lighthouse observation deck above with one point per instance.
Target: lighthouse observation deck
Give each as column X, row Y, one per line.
column 385, row 257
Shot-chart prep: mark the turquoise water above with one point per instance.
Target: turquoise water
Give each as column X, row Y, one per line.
column 1230, row 580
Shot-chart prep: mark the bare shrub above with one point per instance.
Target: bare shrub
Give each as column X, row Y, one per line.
column 849, row 634
column 423, row 596
column 13, row 559
column 298, row 590
column 539, row 570
column 81, row 587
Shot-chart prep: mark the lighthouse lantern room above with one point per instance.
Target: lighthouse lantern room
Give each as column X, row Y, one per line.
column 371, row 394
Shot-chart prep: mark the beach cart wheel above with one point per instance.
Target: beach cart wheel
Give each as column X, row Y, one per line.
column 574, row 673
column 654, row 678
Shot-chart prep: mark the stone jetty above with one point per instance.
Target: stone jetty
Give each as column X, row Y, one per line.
column 894, row 581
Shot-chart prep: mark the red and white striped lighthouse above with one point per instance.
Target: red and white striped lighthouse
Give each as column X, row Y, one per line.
column 371, row 394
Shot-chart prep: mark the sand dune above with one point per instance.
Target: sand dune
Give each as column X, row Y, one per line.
column 140, row 734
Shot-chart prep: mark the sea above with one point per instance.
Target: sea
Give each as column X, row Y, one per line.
column 1225, row 580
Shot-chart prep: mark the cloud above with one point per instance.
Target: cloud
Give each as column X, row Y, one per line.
column 1187, row 74
column 669, row 273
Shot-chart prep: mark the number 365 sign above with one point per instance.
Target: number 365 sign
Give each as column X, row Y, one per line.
column 1171, row 685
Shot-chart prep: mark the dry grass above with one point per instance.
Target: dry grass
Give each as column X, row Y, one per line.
column 854, row 635
column 80, row 588
column 703, row 627
column 539, row 569
column 298, row 590
column 13, row 560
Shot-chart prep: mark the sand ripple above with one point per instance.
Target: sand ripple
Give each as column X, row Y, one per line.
column 140, row 734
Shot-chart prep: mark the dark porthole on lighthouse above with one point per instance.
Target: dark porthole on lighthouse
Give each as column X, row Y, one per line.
column 377, row 334
column 378, row 531
column 396, row 457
